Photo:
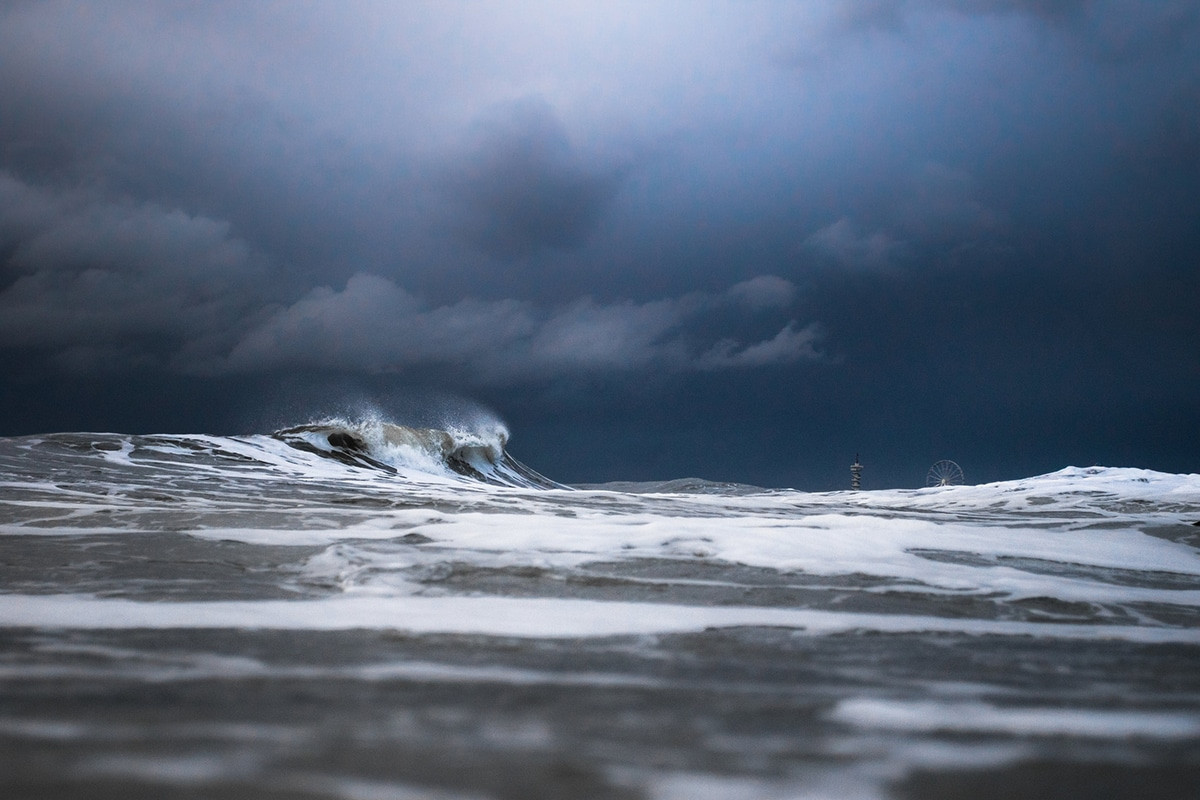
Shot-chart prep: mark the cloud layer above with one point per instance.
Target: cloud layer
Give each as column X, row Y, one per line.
column 930, row 225
column 94, row 280
column 374, row 325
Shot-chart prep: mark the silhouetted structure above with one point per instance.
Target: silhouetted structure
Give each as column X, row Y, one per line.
column 856, row 474
column 944, row 473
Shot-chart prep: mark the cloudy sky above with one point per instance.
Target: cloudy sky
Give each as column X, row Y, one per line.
column 741, row 240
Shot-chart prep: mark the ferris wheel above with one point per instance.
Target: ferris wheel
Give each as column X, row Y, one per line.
column 944, row 473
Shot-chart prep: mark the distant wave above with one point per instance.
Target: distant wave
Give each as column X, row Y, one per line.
column 476, row 454
column 678, row 486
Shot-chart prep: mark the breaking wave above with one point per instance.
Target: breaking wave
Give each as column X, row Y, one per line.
column 478, row 454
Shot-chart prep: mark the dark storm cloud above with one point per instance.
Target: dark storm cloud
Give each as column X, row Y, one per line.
column 1109, row 30
column 935, row 215
column 95, row 279
column 522, row 187
column 842, row 244
column 914, row 225
column 1060, row 11
column 1143, row 22
column 177, row 105
column 374, row 325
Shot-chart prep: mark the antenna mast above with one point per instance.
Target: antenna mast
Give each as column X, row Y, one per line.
column 856, row 474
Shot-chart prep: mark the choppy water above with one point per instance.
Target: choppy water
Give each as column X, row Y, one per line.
column 416, row 616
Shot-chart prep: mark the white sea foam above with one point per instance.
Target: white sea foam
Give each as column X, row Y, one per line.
column 191, row 769
column 521, row 618
column 198, row 666
column 447, row 585
column 978, row 717
column 826, row 545
column 360, row 789
column 1074, row 536
column 692, row 786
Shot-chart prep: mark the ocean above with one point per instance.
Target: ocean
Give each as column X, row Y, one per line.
column 365, row 611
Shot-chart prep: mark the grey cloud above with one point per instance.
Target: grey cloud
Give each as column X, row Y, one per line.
column 375, row 325
column 1060, row 11
column 1105, row 30
column 622, row 335
column 105, row 282
column 1176, row 138
column 942, row 206
column 522, row 188
column 970, row 162
column 937, row 213
column 199, row 108
column 765, row 291
column 73, row 231
column 859, row 16
column 87, row 273
column 848, row 248
column 1142, row 30
column 821, row 36
column 787, row 346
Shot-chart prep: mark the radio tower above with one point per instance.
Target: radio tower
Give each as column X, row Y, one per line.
column 856, row 474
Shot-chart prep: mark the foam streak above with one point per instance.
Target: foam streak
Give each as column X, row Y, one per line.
column 520, row 617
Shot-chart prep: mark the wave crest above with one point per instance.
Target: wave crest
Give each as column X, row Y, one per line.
column 478, row 454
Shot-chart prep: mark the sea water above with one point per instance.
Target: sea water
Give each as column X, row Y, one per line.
column 368, row 611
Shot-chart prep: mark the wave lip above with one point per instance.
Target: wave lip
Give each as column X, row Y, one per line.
column 391, row 448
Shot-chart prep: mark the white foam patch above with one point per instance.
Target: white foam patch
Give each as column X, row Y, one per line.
column 361, row 789
column 384, row 568
column 878, row 534
column 520, row 617
column 109, row 731
column 822, row 544
column 201, row 667
column 373, row 526
column 827, row 545
column 191, row 769
column 50, row 730
column 120, row 457
column 978, row 717
column 434, row 672
column 693, row 786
